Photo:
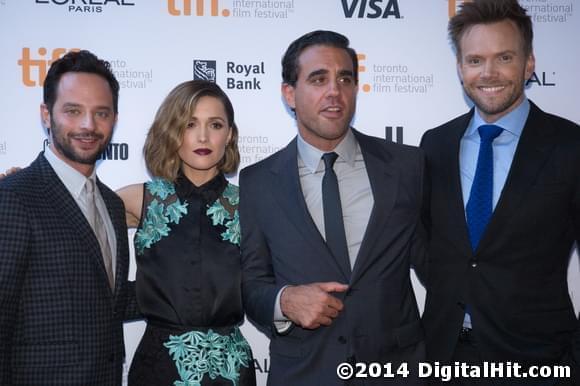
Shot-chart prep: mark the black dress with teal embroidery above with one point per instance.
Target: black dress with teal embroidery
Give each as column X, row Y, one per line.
column 189, row 287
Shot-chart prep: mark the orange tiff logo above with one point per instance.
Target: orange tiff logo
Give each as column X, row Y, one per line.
column 41, row 64
column 453, row 4
column 186, row 6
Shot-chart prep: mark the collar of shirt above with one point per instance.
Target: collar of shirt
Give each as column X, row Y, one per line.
column 312, row 156
column 72, row 179
column 512, row 123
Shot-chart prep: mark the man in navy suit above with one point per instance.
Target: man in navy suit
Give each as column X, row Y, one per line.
column 504, row 209
column 332, row 286
column 63, row 271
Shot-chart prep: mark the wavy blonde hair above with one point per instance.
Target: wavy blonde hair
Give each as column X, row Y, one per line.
column 165, row 135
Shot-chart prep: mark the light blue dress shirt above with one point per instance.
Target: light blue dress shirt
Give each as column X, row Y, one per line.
column 504, row 148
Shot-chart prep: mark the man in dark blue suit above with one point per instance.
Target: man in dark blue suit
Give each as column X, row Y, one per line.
column 504, row 210
column 63, row 242
column 328, row 229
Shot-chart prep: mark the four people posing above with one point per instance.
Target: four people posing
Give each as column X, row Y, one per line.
column 329, row 228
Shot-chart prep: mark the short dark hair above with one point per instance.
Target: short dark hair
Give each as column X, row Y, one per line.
column 314, row 38
column 486, row 12
column 78, row 61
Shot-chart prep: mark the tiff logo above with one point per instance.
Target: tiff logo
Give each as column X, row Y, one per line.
column 185, row 8
column 454, row 4
column 389, row 134
column 41, row 64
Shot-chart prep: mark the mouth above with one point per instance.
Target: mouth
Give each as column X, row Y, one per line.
column 332, row 111
column 491, row 89
column 202, row 151
column 87, row 139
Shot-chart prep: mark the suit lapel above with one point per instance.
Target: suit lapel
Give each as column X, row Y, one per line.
column 288, row 193
column 384, row 185
column 535, row 146
column 66, row 206
column 459, row 233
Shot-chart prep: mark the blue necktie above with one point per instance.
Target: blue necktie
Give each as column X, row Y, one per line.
column 480, row 203
column 333, row 222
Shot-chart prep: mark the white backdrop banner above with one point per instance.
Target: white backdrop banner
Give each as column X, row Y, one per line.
column 408, row 78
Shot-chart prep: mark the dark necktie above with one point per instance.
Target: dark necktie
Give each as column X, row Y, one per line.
column 480, row 203
column 333, row 222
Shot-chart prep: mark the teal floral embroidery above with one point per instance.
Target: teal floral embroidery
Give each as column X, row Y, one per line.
column 221, row 216
column 233, row 231
column 160, row 187
column 232, row 193
column 218, row 213
column 197, row 354
column 159, row 215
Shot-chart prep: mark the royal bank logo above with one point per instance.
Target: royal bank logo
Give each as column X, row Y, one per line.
column 239, row 76
column 454, row 6
column 196, row 7
column 35, row 67
column 86, row 6
column 371, row 9
column 204, row 70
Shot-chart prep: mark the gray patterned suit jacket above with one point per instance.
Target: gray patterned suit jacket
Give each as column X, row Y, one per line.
column 60, row 323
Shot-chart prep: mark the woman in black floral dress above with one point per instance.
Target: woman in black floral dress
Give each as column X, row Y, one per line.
column 187, row 245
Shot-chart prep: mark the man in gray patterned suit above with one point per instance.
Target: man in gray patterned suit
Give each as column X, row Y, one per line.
column 63, row 245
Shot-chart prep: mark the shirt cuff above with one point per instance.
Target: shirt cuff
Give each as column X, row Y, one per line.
column 282, row 323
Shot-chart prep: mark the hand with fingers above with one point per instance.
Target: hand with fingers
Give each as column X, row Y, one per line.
column 9, row 171
column 312, row 305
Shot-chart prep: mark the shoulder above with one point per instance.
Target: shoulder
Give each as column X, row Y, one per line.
column 27, row 181
column 380, row 146
column 442, row 131
column 131, row 193
column 272, row 161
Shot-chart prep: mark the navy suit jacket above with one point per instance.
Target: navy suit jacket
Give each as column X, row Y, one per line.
column 516, row 280
column 282, row 246
column 60, row 323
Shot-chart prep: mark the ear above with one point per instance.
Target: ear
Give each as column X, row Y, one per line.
column 45, row 115
column 530, row 66
column 459, row 70
column 288, row 93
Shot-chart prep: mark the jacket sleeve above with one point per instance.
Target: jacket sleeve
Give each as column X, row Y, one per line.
column 14, row 240
column 259, row 286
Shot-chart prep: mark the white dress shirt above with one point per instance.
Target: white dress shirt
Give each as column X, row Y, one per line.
column 75, row 183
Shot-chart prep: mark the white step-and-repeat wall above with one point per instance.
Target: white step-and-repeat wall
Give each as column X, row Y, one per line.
column 408, row 79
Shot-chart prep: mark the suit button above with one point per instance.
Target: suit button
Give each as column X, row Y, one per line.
column 341, row 340
column 473, row 263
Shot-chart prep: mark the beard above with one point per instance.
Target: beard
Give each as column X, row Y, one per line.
column 63, row 144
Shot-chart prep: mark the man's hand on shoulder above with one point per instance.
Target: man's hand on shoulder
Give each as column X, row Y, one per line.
column 312, row 305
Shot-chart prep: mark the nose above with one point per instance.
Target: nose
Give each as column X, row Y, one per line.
column 489, row 69
column 202, row 134
column 88, row 122
column 333, row 88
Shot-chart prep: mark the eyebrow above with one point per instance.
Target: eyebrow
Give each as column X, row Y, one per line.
column 72, row 104
column 323, row 72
